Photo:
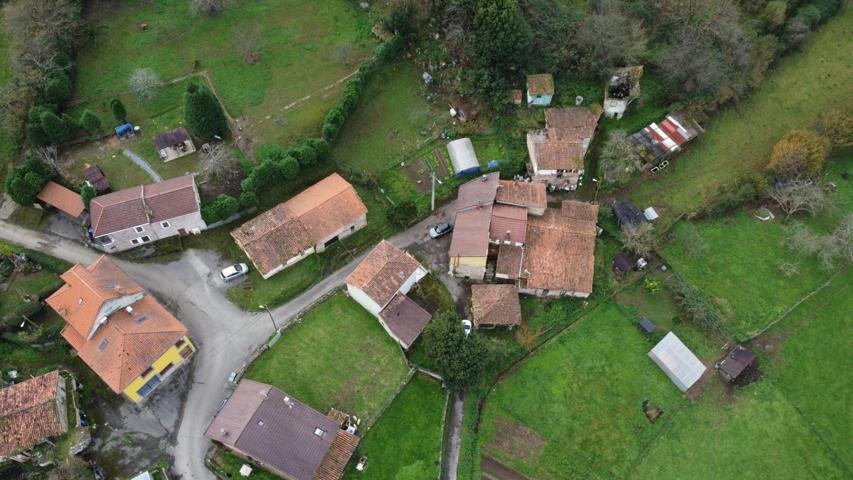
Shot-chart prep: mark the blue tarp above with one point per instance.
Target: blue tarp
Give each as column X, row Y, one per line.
column 124, row 129
column 493, row 164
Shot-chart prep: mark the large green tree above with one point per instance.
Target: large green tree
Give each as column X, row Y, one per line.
column 89, row 121
column 54, row 128
column 24, row 182
column 460, row 359
column 203, row 113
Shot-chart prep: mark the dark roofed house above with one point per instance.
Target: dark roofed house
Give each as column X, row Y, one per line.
column 95, row 177
column 628, row 215
column 495, row 306
column 31, row 412
column 623, row 263
column 174, row 144
column 283, row 435
column 735, row 363
column 138, row 215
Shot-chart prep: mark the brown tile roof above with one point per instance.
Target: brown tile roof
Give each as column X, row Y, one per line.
column 171, row 138
column 337, row 457
column 509, row 260
column 131, row 343
column 279, row 234
column 508, row 223
column 540, row 84
column 471, row 233
column 560, row 145
column 28, row 413
column 86, row 290
column 62, row 198
column 479, row 191
column 405, row 318
column 127, row 343
column 522, row 194
column 382, row 272
column 559, row 254
column 495, row 305
column 144, row 204
column 266, row 424
column 572, row 123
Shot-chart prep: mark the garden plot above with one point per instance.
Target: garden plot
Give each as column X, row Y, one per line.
column 337, row 356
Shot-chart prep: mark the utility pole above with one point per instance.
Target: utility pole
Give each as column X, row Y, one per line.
column 264, row 307
column 432, row 178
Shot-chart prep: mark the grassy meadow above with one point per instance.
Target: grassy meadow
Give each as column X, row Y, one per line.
column 336, row 356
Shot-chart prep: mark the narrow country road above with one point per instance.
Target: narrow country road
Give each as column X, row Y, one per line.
column 453, row 437
column 225, row 335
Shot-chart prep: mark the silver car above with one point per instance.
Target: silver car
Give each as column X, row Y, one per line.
column 233, row 272
column 440, row 230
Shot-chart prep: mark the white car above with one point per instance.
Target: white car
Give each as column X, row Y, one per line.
column 440, row 230
column 467, row 327
column 233, row 272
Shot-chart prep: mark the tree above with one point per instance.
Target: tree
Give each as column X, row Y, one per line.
column 223, row 207
column 221, row 165
column 459, row 359
column 837, row 125
column 774, row 14
column 248, row 200
column 248, row 43
column 402, row 214
column 54, row 128
column 36, row 133
column 58, row 89
column 799, row 195
column 208, row 8
column 289, row 167
column 144, row 84
column 641, row 240
column 24, row 182
column 605, row 41
column 203, row 113
column 90, row 121
column 800, row 153
column 87, row 193
column 119, row 112
column 321, row 148
column 269, row 151
column 618, row 158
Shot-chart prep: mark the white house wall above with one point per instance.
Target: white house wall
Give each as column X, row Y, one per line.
column 365, row 301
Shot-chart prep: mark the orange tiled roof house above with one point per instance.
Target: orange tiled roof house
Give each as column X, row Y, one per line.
column 120, row 331
column 31, row 413
column 557, row 151
column 315, row 218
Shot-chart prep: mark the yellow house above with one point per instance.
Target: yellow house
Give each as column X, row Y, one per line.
column 122, row 333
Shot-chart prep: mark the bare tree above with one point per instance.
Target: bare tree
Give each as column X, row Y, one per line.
column 248, row 44
column 144, row 83
column 843, row 235
column 221, row 165
column 609, row 40
column 618, row 158
column 799, row 195
column 641, row 240
column 208, row 8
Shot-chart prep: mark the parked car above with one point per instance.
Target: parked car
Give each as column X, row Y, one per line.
column 440, row 230
column 467, row 327
column 233, row 272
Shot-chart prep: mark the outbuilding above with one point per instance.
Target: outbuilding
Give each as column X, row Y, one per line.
column 735, row 363
column 463, row 157
column 646, row 326
column 628, row 215
column 174, row 144
column 65, row 200
column 677, row 362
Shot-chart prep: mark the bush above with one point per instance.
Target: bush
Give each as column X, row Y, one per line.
column 799, row 153
column 402, row 214
column 694, row 305
column 269, row 151
column 248, row 200
column 321, row 147
column 827, row 8
column 89, row 121
column 223, row 207
column 203, row 113
column 58, row 89
column 55, row 265
column 24, row 182
column 810, row 14
column 87, row 193
column 119, row 112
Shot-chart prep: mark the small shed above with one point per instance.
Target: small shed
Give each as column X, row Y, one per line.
column 677, row 362
column 463, row 157
column 646, row 326
column 628, row 215
column 623, row 263
column 67, row 201
column 735, row 363
column 174, row 144
column 650, row 214
column 95, row 177
column 540, row 89
column 125, row 130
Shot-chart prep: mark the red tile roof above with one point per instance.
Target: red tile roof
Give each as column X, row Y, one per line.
column 508, row 223
column 471, row 232
column 509, row 261
column 560, row 146
column 405, row 318
column 29, row 414
column 279, row 234
column 62, row 198
column 522, row 194
column 559, row 254
column 144, row 204
column 495, row 305
column 382, row 272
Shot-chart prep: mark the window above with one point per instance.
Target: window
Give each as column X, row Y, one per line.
column 142, row 239
column 140, row 319
column 164, row 224
column 319, row 432
column 149, row 386
column 167, row 368
column 140, row 229
column 104, row 240
column 146, row 372
column 180, row 343
column 103, row 345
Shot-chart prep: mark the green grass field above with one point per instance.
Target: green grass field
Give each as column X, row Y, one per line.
column 805, row 355
column 573, row 410
column 739, row 140
column 755, row 433
column 407, row 437
column 336, row 356
column 389, row 121
column 304, row 46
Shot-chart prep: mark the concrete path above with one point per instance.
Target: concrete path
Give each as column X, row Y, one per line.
column 453, row 439
column 143, row 164
column 225, row 335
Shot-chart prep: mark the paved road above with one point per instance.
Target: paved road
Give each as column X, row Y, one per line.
column 225, row 335
column 453, row 438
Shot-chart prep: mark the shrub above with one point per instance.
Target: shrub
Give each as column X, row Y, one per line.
column 119, row 112
column 269, row 151
column 321, row 148
column 58, row 89
column 89, row 121
column 55, row 129
column 203, row 113
column 810, row 14
column 223, row 207
column 248, row 199
column 799, row 153
column 55, row 265
column 87, row 193
column 289, row 167
column 694, row 305
column 402, row 214
column 827, row 8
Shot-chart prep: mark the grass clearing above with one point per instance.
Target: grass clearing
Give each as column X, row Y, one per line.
column 337, row 356
column 407, row 437
column 392, row 120
column 581, row 396
column 304, row 47
column 739, row 140
column 755, row 434
column 805, row 355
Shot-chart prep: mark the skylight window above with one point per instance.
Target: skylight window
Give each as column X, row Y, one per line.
column 103, row 345
column 319, row 432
